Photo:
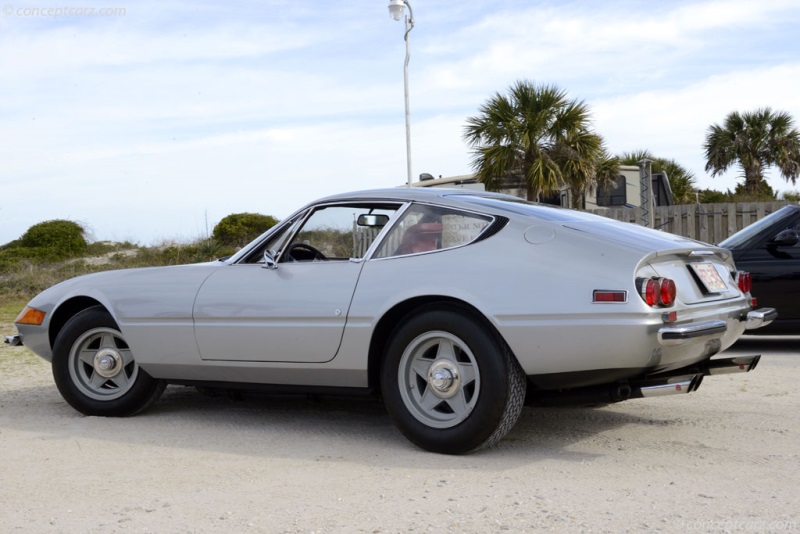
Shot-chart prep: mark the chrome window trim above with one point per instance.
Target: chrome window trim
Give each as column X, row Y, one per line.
column 492, row 220
column 307, row 212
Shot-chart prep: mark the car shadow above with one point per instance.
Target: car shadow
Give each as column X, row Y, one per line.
column 356, row 429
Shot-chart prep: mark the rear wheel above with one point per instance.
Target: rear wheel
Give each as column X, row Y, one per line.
column 95, row 370
column 449, row 384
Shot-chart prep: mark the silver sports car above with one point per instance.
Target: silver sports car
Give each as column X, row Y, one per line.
column 457, row 307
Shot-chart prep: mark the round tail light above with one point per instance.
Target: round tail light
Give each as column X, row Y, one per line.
column 657, row 292
column 650, row 290
column 667, row 292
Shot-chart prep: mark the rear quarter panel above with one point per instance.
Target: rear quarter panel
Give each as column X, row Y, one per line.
column 538, row 296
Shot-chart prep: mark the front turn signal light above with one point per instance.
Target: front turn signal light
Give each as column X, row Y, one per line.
column 30, row 316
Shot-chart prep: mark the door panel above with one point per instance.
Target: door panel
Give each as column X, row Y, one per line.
column 295, row 313
column 776, row 274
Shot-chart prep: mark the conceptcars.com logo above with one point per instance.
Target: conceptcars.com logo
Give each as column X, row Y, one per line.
column 63, row 11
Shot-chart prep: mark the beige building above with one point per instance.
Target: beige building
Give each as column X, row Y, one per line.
column 626, row 193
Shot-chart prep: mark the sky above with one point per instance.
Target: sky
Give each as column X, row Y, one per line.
column 149, row 121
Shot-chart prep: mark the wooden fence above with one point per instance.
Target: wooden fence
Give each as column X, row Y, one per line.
column 710, row 223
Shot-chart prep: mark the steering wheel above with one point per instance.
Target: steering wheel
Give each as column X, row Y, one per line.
column 303, row 252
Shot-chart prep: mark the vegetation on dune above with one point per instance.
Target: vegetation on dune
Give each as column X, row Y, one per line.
column 238, row 229
column 57, row 250
column 23, row 277
column 46, row 241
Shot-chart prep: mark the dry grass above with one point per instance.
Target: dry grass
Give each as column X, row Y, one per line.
column 22, row 279
column 9, row 309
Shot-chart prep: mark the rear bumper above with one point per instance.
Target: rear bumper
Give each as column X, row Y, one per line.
column 761, row 317
column 676, row 335
column 678, row 381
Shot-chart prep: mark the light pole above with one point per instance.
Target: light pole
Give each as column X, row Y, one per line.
column 396, row 10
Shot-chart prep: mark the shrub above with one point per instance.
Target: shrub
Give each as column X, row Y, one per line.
column 52, row 240
column 238, row 229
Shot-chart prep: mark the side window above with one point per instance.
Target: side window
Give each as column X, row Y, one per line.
column 338, row 233
column 784, row 231
column 276, row 242
column 613, row 195
column 429, row 228
column 796, row 228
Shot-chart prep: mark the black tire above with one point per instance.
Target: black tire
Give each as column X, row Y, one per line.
column 450, row 385
column 95, row 371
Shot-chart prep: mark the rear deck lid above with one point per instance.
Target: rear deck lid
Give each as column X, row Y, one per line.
column 700, row 275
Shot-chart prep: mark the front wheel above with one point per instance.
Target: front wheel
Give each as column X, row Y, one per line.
column 94, row 368
column 449, row 384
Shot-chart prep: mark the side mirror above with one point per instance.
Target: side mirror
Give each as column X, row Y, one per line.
column 373, row 219
column 785, row 238
column 269, row 261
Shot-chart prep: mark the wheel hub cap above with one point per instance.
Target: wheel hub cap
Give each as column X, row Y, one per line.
column 107, row 363
column 443, row 378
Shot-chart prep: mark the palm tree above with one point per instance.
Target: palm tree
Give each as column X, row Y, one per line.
column 681, row 181
column 529, row 135
column 755, row 140
column 586, row 165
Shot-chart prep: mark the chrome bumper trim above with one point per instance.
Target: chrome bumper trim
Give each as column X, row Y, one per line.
column 14, row 341
column 761, row 317
column 676, row 335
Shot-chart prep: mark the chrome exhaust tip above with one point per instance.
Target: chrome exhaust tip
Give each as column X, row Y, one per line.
column 661, row 387
column 740, row 364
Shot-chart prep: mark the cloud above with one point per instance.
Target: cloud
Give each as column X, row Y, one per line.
column 153, row 125
column 673, row 124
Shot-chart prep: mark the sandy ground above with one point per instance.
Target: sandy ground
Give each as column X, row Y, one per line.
column 723, row 459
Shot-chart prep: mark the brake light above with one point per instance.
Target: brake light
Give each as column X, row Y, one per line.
column 668, row 292
column 657, row 292
column 650, row 292
column 745, row 281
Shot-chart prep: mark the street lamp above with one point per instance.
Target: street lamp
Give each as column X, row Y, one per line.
column 396, row 10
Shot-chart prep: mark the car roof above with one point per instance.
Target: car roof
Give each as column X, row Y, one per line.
column 467, row 199
column 410, row 194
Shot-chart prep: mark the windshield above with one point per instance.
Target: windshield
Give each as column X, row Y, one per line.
column 743, row 236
